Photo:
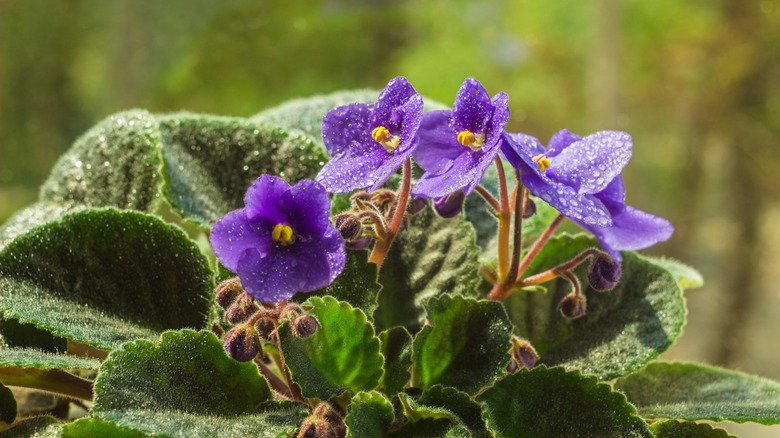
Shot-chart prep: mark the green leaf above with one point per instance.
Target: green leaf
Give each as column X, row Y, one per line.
column 115, row 164
column 43, row 426
column 34, row 215
column 432, row 428
column 186, row 371
column 369, row 415
column 7, row 405
column 547, row 402
column 397, row 351
column 414, row 411
column 209, row 162
column 29, row 358
column 356, row 285
column 699, row 392
column 623, row 329
column 94, row 427
column 343, row 355
column 465, row 346
column 103, row 277
column 687, row 429
column 432, row 257
column 20, row 335
column 459, row 403
column 686, row 276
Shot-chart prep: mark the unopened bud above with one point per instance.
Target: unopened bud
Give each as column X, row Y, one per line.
column 242, row 343
column 228, row 292
column 572, row 306
column 333, row 416
column 524, row 353
column 316, row 427
column 236, row 314
column 305, row 326
column 290, row 312
column 349, row 226
column 604, row 273
column 274, row 337
column 264, row 327
column 217, row 330
column 361, row 243
column 417, row 205
column 451, row 205
column 530, row 209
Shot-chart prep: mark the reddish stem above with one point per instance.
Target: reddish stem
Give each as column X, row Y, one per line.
column 381, row 247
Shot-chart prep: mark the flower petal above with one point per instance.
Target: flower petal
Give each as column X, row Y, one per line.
column 472, row 109
column 615, row 192
column 345, row 124
column 498, row 119
column 233, row 234
column 579, row 207
column 390, row 164
column 560, row 141
column 307, row 208
column 394, row 95
column 465, row 173
column 593, row 162
column 438, row 146
column 519, row 149
column 632, row 229
column 261, row 199
column 411, row 115
column 353, row 168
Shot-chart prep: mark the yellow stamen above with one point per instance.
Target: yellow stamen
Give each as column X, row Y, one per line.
column 283, row 235
column 471, row 140
column 543, row 162
column 382, row 135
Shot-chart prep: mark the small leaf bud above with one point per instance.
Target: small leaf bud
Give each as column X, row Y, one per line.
column 349, row 226
column 228, row 292
column 305, row 326
column 242, row 343
column 604, row 273
column 572, row 305
column 316, row 427
column 451, row 205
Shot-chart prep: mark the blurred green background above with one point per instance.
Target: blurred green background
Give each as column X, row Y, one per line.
column 695, row 82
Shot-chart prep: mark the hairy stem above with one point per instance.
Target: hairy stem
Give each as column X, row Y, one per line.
column 52, row 380
column 273, row 380
column 538, row 245
column 504, row 224
column 488, row 197
column 555, row 272
column 381, row 247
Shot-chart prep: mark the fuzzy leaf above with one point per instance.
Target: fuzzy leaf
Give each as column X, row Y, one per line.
column 34, row 215
column 29, row 358
column 546, row 402
column 432, row 257
column 17, row 335
column 699, row 392
column 686, row 276
column 95, row 427
column 7, row 405
column 623, row 328
column 43, row 426
column 369, row 415
column 115, row 164
column 103, row 277
column 459, row 403
column 397, row 351
column 210, row 162
column 343, row 355
column 687, row 429
column 356, row 285
column 465, row 346
column 432, row 428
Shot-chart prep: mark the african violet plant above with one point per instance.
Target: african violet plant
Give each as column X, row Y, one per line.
column 351, row 300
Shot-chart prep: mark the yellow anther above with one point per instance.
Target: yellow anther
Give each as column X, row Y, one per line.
column 382, row 135
column 543, row 162
column 283, row 235
column 471, row 140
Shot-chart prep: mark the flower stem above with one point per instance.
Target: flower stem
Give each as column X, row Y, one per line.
column 488, row 197
column 557, row 271
column 521, row 198
column 504, row 224
column 52, row 380
column 381, row 247
column 273, row 380
column 538, row 245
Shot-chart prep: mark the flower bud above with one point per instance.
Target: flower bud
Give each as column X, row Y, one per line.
column 604, row 273
column 349, row 226
column 274, row 337
column 305, row 326
column 217, row 330
column 332, row 415
column 417, row 205
column 316, row 427
column 524, row 353
column 264, row 327
column 361, row 243
column 236, row 315
column 290, row 312
column 572, row 306
column 451, row 205
column 228, row 292
column 242, row 343
column 530, row 209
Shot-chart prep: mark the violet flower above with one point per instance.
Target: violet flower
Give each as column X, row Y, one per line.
column 580, row 177
column 369, row 142
column 282, row 241
column 456, row 147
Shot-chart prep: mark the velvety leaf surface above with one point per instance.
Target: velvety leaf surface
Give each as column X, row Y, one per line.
column 103, row 277
column 29, row 358
column 94, row 427
column 186, row 371
column 369, row 415
column 686, row 276
column 343, row 355
column 211, row 161
column 397, row 351
column 115, row 164
column 30, row 217
column 699, row 392
column 434, row 256
column 414, row 411
column 551, row 402
column 43, row 426
column 459, row 403
column 687, row 429
column 465, row 346
column 356, row 285
column 431, row 428
column 7, row 405
column 623, row 328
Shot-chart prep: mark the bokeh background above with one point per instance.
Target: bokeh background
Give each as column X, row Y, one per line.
column 695, row 82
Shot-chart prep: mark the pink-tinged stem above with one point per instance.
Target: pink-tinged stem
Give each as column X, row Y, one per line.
column 381, row 247
column 557, row 271
column 538, row 245
column 504, row 224
column 488, row 197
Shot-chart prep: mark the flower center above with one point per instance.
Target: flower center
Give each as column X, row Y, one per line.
column 382, row 135
column 471, row 140
column 283, row 235
column 543, row 162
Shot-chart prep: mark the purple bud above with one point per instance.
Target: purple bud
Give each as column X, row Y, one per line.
column 228, row 292
column 242, row 343
column 361, row 243
column 451, row 205
column 530, row 209
column 217, row 330
column 417, row 205
column 316, row 427
column 332, row 415
column 513, row 366
column 604, row 273
column 264, row 327
column 305, row 326
column 236, row 314
column 349, row 226
column 572, row 306
column 290, row 312
column 524, row 353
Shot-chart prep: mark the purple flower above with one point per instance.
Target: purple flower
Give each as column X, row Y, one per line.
column 369, row 142
column 456, row 147
column 580, row 177
column 281, row 242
